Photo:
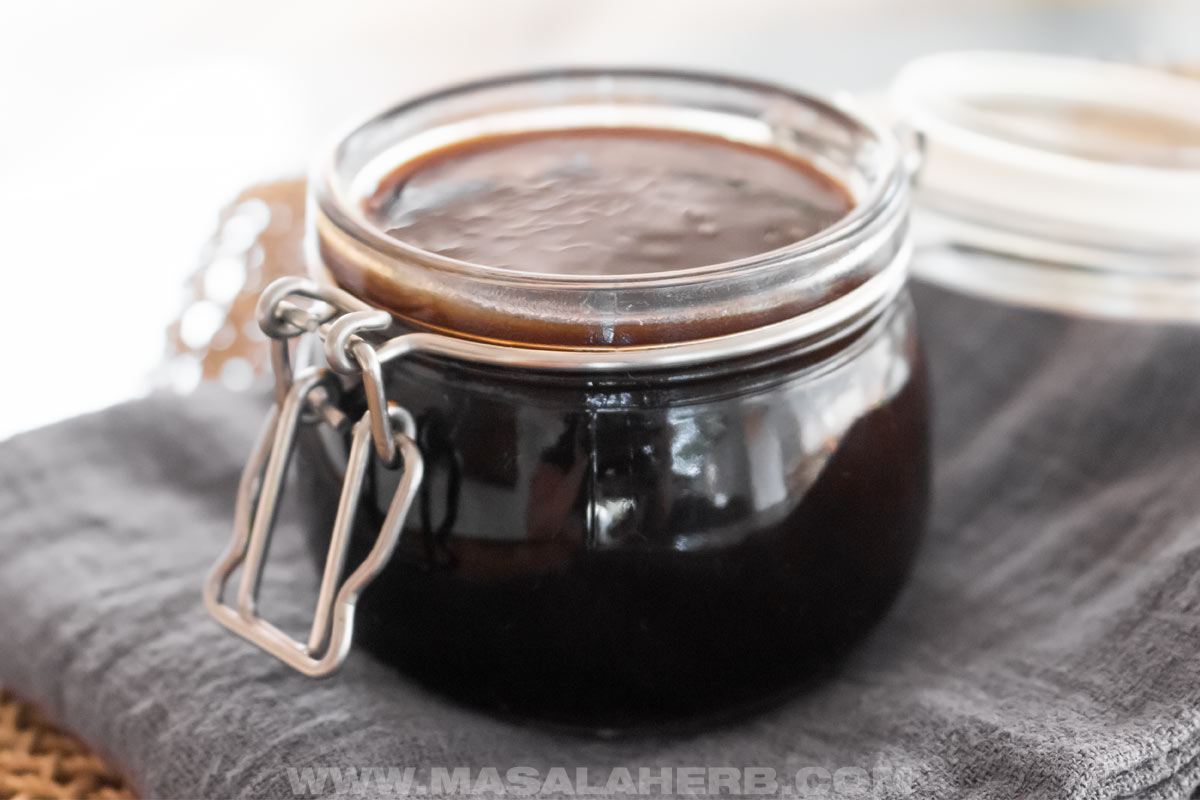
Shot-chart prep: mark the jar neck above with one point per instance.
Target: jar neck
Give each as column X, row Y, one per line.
column 814, row 286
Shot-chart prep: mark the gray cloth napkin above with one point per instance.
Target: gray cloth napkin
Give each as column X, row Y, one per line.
column 1047, row 646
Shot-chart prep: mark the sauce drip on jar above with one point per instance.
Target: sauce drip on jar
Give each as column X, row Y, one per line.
column 605, row 201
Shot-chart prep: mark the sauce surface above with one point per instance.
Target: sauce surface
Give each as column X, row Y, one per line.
column 605, row 201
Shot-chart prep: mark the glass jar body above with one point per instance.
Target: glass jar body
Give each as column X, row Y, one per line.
column 616, row 551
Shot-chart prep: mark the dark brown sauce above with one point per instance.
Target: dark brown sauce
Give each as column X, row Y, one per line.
column 605, row 201
column 644, row 549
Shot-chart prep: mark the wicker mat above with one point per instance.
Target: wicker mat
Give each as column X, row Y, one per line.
column 39, row 761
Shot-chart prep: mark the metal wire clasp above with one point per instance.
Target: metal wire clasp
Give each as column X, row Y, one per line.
column 263, row 479
column 356, row 345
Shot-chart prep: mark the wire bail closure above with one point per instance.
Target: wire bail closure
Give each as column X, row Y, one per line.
column 299, row 399
column 356, row 347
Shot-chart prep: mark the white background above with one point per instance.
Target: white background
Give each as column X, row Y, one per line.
column 126, row 125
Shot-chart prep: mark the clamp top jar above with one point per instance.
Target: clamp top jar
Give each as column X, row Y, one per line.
column 634, row 349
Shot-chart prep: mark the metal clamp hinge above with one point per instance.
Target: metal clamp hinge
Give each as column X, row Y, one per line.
column 385, row 428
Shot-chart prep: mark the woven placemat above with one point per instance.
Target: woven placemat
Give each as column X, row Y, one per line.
column 39, row 761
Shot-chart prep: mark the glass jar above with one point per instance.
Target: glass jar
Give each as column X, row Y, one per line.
column 1059, row 183
column 598, row 501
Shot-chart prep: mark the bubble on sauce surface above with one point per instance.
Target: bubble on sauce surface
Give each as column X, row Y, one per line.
column 605, row 203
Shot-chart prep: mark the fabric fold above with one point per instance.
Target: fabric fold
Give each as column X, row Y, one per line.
column 1048, row 644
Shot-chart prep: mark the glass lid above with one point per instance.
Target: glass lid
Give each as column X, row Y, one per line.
column 1057, row 182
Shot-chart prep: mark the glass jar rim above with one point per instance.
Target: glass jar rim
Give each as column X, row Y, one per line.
column 858, row 259
column 345, row 211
